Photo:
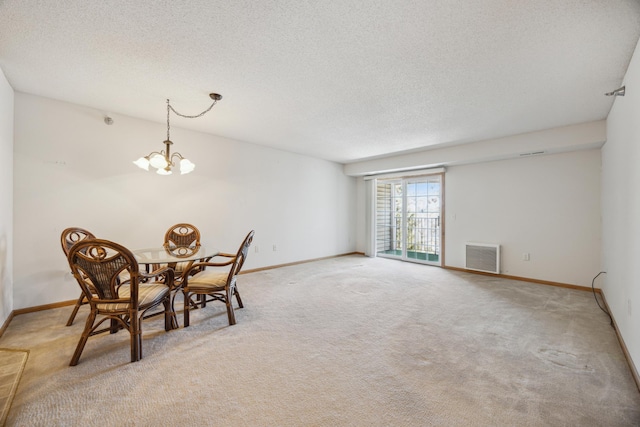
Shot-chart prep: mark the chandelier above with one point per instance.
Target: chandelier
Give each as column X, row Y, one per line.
column 164, row 160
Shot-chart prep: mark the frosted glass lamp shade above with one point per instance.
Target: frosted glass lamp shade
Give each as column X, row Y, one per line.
column 158, row 161
column 186, row 166
column 142, row 163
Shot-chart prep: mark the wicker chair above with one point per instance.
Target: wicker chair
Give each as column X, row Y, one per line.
column 181, row 238
column 68, row 238
column 98, row 266
column 215, row 284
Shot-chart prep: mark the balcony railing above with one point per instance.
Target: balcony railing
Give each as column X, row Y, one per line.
column 423, row 236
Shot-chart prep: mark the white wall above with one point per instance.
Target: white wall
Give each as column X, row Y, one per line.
column 547, row 206
column 73, row 170
column 6, row 195
column 621, row 210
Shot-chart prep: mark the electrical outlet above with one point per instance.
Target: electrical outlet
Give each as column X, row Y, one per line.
column 526, row 256
column 274, row 248
column 256, row 249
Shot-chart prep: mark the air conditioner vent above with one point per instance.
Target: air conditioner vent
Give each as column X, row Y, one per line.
column 483, row 257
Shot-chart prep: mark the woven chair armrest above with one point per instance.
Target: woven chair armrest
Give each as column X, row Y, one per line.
column 224, row 254
column 221, row 254
column 213, row 264
column 199, row 266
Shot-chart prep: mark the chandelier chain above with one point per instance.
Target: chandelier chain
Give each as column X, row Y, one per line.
column 170, row 108
column 168, row 126
column 192, row 117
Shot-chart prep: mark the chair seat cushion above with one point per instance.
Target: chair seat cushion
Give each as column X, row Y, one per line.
column 178, row 267
column 124, row 291
column 148, row 294
column 208, row 280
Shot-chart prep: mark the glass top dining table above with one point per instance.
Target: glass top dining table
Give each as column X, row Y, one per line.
column 168, row 255
column 172, row 256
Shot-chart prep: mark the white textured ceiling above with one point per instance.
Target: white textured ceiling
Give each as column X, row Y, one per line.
column 341, row 80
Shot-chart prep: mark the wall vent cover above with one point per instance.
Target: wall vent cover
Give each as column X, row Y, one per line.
column 482, row 257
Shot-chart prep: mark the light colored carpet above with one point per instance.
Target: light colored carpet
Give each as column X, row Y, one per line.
column 350, row 341
column 12, row 364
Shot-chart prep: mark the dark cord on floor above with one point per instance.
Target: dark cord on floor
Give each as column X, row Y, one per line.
column 593, row 288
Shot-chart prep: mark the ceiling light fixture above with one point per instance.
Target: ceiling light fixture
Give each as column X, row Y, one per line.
column 163, row 161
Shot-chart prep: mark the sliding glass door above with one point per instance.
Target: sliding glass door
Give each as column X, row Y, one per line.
column 408, row 218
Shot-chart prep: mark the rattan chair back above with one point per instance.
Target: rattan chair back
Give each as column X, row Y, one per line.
column 243, row 251
column 73, row 235
column 182, row 235
column 68, row 238
column 103, row 263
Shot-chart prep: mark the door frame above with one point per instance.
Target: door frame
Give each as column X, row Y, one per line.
column 403, row 179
